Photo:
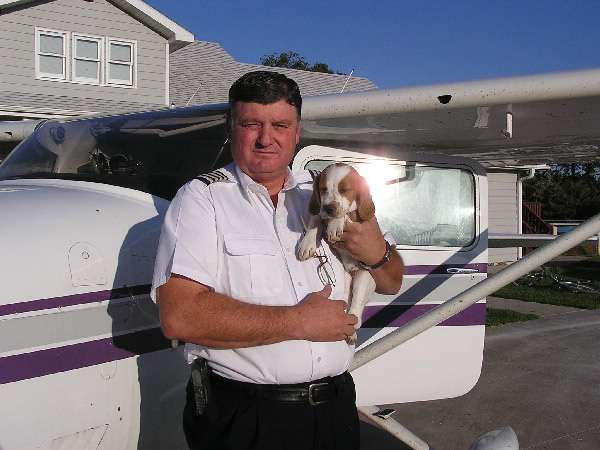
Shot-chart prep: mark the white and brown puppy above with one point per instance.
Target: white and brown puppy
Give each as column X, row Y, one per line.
column 340, row 195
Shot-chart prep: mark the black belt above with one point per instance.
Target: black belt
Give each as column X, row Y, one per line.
column 313, row 392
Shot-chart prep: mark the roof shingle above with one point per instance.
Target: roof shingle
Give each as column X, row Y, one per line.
column 205, row 71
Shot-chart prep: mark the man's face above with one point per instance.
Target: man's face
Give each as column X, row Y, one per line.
column 264, row 138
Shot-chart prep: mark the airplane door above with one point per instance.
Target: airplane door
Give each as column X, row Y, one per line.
column 435, row 209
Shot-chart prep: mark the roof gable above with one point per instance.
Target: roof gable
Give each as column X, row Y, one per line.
column 152, row 18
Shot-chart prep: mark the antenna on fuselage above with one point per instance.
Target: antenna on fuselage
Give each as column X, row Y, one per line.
column 347, row 79
column 195, row 92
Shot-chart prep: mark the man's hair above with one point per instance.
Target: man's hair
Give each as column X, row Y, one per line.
column 265, row 87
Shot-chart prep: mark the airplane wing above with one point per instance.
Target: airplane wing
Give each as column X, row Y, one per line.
column 529, row 120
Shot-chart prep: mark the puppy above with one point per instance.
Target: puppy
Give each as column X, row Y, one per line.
column 340, row 195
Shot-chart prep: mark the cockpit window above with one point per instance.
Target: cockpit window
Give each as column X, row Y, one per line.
column 420, row 205
column 154, row 152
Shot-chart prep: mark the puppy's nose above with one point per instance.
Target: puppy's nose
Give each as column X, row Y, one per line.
column 329, row 209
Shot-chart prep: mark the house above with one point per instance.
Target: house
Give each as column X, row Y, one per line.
column 64, row 58
column 73, row 57
column 76, row 57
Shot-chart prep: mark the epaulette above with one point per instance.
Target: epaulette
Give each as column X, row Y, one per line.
column 212, row 177
column 314, row 173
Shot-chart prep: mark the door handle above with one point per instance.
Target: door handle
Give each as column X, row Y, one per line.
column 455, row 270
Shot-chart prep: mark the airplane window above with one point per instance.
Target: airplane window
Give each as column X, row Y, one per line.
column 420, row 205
column 153, row 152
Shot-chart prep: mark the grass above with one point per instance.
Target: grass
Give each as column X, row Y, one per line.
column 546, row 293
column 585, row 270
column 495, row 317
column 550, row 296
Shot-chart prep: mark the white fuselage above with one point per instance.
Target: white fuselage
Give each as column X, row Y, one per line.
column 82, row 363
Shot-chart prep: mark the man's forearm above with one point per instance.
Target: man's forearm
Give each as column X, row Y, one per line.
column 217, row 321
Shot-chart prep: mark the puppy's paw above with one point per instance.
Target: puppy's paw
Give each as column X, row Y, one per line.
column 335, row 229
column 332, row 238
column 307, row 249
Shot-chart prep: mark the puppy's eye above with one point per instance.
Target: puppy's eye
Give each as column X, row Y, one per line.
column 345, row 190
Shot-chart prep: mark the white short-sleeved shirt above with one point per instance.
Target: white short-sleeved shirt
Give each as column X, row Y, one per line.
column 227, row 235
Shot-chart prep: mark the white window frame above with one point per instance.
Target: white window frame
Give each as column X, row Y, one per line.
column 99, row 60
column 65, row 56
column 69, row 57
column 132, row 64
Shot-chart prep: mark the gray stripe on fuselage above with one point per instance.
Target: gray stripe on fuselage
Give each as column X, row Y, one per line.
column 77, row 323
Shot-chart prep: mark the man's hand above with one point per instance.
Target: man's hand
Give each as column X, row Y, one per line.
column 322, row 319
column 364, row 241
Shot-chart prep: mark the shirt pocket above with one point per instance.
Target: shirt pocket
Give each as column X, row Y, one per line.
column 252, row 267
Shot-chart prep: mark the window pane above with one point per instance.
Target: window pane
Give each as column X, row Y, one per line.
column 51, row 65
column 51, row 44
column 440, row 200
column 86, row 69
column 119, row 73
column 86, row 49
column 119, row 52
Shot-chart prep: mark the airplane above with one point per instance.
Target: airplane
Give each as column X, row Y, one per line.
column 83, row 363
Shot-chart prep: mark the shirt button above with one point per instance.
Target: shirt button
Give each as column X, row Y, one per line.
column 319, row 359
column 299, row 283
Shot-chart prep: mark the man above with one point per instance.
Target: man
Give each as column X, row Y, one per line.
column 230, row 285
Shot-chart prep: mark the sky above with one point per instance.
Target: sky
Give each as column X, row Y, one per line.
column 401, row 43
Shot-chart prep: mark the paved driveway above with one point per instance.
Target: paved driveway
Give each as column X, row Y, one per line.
column 541, row 377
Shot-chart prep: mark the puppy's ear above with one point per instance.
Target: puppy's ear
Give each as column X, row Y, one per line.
column 365, row 208
column 314, row 207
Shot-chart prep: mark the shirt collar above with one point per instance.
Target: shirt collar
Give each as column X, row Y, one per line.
column 248, row 183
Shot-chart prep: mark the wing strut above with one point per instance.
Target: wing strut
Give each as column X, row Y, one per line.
column 542, row 255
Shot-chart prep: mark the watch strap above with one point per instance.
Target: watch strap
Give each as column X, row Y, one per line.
column 386, row 257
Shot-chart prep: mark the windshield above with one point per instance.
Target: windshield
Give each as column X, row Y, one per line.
column 155, row 152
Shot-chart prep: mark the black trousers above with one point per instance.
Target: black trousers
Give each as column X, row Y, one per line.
column 238, row 419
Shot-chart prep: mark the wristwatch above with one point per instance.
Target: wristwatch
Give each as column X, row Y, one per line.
column 386, row 257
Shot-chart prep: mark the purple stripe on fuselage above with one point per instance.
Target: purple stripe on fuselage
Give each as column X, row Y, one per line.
column 76, row 356
column 54, row 360
column 70, row 300
column 398, row 315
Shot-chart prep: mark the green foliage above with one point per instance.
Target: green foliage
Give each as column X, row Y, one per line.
column 293, row 60
column 567, row 191
column 320, row 67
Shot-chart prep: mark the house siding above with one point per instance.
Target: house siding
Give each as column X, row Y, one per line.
column 503, row 216
column 20, row 91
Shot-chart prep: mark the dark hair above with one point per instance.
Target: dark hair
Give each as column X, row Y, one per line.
column 265, row 87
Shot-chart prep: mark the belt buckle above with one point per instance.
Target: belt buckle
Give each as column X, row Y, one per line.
column 311, row 389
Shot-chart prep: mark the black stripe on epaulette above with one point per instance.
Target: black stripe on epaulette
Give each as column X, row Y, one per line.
column 314, row 173
column 212, row 177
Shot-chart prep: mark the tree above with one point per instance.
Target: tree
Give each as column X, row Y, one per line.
column 567, row 191
column 293, row 60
